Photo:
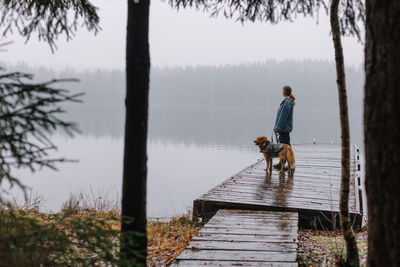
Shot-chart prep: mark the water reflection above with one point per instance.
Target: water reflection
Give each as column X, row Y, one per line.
column 177, row 173
column 278, row 192
column 190, row 151
column 223, row 126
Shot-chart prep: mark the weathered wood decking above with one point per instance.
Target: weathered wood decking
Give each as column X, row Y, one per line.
column 244, row 238
column 312, row 191
column 266, row 208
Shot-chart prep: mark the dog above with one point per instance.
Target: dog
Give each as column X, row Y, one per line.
column 285, row 154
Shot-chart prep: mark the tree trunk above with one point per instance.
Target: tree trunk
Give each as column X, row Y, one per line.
column 382, row 131
column 133, row 224
column 345, row 223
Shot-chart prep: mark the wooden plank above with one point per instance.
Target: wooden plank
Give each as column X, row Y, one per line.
column 225, row 255
column 241, row 238
column 251, row 246
column 235, row 223
column 248, row 238
column 255, row 213
column 293, row 190
column 200, row 263
column 248, row 231
column 261, row 222
column 314, row 207
column 260, row 180
column 265, row 196
column 297, row 176
column 276, row 181
column 300, row 193
column 287, row 190
column 300, row 175
column 282, row 204
column 259, row 198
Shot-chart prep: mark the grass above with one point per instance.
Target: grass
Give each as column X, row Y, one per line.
column 68, row 238
column 327, row 248
column 166, row 240
column 84, row 233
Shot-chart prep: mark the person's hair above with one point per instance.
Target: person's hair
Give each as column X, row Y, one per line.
column 288, row 92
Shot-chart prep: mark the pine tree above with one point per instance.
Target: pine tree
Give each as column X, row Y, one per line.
column 133, row 227
column 382, row 131
column 29, row 111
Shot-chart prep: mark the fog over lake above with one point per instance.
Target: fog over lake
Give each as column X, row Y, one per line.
column 201, row 126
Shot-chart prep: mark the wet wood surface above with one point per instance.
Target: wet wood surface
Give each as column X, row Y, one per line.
column 255, row 214
column 313, row 188
column 244, row 238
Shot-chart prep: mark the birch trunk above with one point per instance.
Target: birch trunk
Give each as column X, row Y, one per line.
column 345, row 223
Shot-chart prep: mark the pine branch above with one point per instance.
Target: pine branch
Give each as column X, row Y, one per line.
column 274, row 11
column 48, row 18
column 29, row 114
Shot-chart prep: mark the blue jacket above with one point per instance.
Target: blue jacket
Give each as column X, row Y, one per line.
column 284, row 118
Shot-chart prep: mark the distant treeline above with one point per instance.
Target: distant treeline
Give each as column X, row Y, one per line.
column 246, row 85
column 225, row 105
column 254, row 85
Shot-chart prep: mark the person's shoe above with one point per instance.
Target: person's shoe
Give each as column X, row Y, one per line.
column 277, row 166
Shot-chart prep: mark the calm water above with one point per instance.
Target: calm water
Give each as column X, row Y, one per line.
column 190, row 150
column 177, row 173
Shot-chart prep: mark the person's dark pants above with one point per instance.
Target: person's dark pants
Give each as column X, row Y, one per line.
column 284, row 138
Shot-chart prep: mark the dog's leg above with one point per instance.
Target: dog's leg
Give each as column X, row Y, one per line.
column 288, row 163
column 266, row 162
column 282, row 161
column 270, row 164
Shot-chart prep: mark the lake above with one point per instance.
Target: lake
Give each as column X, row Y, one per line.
column 190, row 150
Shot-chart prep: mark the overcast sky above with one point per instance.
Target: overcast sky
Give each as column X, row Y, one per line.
column 187, row 37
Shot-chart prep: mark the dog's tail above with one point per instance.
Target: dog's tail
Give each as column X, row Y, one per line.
column 290, row 158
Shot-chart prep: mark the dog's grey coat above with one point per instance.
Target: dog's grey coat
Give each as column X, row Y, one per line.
column 272, row 149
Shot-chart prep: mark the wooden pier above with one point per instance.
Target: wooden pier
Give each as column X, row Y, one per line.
column 312, row 190
column 252, row 217
column 244, row 238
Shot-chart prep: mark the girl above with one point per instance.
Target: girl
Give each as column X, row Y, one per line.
column 284, row 118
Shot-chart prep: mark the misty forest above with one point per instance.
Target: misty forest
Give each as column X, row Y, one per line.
column 199, row 133
column 215, row 105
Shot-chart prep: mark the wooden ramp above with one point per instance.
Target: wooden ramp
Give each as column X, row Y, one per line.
column 244, row 238
column 312, row 191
